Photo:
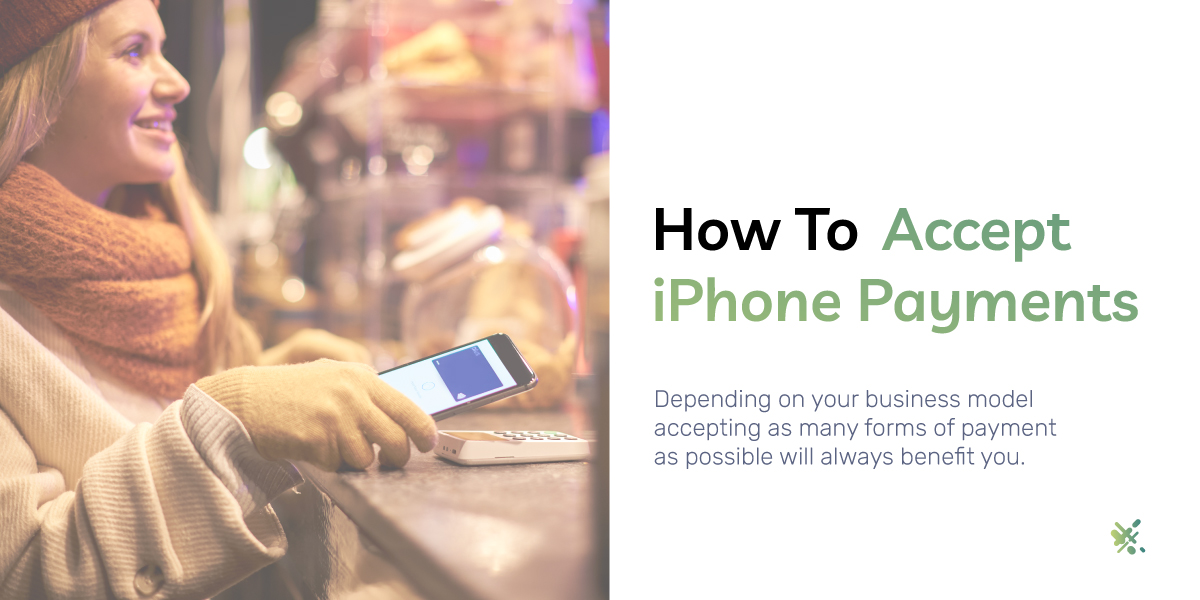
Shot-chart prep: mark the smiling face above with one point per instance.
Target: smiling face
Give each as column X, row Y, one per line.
column 115, row 126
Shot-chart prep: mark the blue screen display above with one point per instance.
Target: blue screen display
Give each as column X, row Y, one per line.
column 466, row 373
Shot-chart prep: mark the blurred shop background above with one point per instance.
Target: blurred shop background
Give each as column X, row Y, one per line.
column 413, row 175
column 352, row 150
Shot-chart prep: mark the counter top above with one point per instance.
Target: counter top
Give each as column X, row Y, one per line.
column 485, row 532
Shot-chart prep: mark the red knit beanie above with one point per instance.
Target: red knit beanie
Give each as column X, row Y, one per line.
column 26, row 25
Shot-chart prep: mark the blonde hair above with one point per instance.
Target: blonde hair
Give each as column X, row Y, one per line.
column 31, row 95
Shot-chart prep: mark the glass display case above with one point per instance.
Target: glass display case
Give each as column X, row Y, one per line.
column 471, row 273
column 392, row 109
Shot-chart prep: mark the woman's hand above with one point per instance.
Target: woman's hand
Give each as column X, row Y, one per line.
column 308, row 345
column 324, row 412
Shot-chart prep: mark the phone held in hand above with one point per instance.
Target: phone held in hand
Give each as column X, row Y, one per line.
column 464, row 378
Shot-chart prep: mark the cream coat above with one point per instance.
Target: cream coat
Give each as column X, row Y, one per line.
column 88, row 499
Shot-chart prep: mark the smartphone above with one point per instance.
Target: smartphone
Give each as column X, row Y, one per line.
column 464, row 378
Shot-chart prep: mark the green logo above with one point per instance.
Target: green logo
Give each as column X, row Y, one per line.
column 1126, row 538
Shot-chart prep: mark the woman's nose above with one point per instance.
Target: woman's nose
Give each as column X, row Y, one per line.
column 171, row 87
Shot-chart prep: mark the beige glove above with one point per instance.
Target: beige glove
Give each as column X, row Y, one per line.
column 324, row 412
column 312, row 344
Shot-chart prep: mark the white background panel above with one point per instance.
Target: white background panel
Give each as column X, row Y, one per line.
column 1014, row 110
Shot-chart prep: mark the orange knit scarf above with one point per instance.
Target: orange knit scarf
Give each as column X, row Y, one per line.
column 120, row 285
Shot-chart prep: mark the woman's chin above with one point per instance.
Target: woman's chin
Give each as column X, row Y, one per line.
column 154, row 171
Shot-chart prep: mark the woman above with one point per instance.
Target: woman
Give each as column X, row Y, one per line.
column 115, row 300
